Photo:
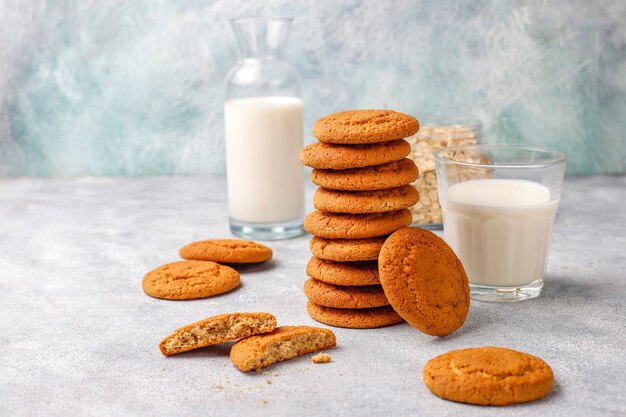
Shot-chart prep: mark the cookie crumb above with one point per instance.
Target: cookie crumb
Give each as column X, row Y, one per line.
column 322, row 358
column 264, row 401
column 269, row 381
column 275, row 373
column 265, row 373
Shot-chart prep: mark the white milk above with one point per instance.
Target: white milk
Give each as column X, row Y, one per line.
column 500, row 229
column 263, row 143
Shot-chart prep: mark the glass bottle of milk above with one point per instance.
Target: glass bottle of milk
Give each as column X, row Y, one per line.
column 263, row 125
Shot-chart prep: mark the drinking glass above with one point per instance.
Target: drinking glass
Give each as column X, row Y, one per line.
column 499, row 203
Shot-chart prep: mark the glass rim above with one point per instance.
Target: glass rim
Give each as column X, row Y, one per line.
column 261, row 19
column 557, row 158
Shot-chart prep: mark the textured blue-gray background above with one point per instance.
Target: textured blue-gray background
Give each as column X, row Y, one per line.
column 122, row 87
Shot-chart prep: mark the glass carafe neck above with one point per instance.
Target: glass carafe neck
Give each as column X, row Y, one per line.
column 261, row 37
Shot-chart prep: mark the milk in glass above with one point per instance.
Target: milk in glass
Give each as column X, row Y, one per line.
column 500, row 229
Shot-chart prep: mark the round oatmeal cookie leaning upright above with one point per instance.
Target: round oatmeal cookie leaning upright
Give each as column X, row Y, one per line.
column 424, row 281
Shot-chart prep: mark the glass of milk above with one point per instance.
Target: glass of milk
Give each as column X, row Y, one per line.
column 499, row 204
column 263, row 125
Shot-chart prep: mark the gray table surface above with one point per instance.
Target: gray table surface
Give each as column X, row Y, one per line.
column 79, row 337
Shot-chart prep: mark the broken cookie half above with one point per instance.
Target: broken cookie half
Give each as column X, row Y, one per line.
column 217, row 329
column 285, row 342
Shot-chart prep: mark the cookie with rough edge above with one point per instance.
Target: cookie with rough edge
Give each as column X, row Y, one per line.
column 379, row 177
column 328, row 156
column 329, row 295
column 343, row 273
column 424, row 281
column 359, row 202
column 217, row 329
column 346, row 250
column 186, row 280
column 364, row 318
column 356, row 226
column 365, row 126
column 488, row 376
column 285, row 342
column 226, row 251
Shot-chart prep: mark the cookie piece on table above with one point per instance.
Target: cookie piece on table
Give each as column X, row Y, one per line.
column 217, row 329
column 346, row 250
column 424, row 281
column 379, row 177
column 322, row 358
column 186, row 280
column 364, row 126
column 356, row 226
column 364, row 318
column 232, row 251
column 343, row 273
column 328, row 156
column 285, row 342
column 488, row 376
column 329, row 295
column 360, row 202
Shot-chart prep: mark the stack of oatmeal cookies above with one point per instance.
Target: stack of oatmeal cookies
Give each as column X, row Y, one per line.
column 364, row 177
